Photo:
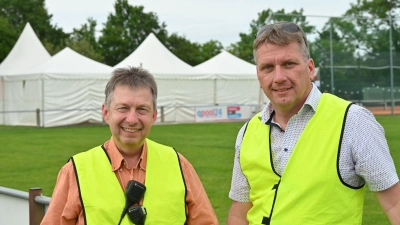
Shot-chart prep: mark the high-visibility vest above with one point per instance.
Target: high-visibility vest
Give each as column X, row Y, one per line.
column 103, row 198
column 310, row 190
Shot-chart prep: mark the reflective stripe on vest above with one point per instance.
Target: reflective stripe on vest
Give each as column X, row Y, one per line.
column 310, row 190
column 103, row 199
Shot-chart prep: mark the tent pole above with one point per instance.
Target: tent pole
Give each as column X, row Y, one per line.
column 260, row 97
column 42, row 102
column 3, row 100
column 215, row 92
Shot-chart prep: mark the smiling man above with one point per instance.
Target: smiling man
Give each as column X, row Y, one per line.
column 90, row 187
column 306, row 157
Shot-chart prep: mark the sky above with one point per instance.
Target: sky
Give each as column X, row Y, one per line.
column 198, row 20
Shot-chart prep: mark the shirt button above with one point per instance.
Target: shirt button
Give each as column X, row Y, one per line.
column 285, row 149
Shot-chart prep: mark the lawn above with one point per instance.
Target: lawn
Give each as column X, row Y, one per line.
column 31, row 157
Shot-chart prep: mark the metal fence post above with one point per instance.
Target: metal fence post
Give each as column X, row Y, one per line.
column 38, row 117
column 162, row 114
column 36, row 210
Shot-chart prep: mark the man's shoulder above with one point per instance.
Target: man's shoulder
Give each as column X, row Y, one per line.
column 90, row 151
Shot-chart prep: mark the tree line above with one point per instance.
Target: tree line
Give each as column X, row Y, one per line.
column 363, row 29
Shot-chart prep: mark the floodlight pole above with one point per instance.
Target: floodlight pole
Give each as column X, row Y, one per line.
column 391, row 62
column 331, row 53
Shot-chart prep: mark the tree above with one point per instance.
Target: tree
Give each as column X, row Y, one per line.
column 19, row 12
column 87, row 32
column 244, row 48
column 361, row 41
column 192, row 53
column 126, row 29
column 183, row 49
column 210, row 49
column 84, row 41
column 372, row 17
column 85, row 48
column 8, row 38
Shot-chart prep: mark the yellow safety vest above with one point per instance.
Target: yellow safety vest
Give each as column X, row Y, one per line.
column 103, row 198
column 310, row 190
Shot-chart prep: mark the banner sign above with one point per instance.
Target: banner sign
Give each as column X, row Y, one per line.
column 213, row 113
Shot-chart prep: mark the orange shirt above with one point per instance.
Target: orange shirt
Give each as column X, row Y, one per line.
column 66, row 209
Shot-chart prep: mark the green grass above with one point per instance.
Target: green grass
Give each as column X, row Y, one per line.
column 31, row 157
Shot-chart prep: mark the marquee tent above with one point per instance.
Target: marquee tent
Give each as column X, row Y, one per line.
column 67, row 89
column 180, row 86
column 236, row 80
column 27, row 53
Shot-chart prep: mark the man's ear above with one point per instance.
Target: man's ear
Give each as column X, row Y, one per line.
column 311, row 68
column 155, row 113
column 104, row 112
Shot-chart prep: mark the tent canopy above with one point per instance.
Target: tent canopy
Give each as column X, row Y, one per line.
column 228, row 66
column 27, row 53
column 153, row 56
column 69, row 64
column 236, row 80
column 67, row 89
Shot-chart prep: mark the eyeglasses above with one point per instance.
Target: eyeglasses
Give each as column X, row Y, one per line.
column 134, row 192
column 284, row 26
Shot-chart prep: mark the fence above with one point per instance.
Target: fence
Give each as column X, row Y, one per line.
column 358, row 57
column 166, row 114
column 18, row 207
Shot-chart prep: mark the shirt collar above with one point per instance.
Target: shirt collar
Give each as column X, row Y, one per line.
column 311, row 101
column 117, row 160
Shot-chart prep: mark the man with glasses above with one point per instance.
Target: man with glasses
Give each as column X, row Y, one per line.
column 90, row 187
column 306, row 157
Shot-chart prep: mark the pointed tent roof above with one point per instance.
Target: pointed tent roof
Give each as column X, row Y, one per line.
column 27, row 53
column 153, row 56
column 226, row 65
column 70, row 64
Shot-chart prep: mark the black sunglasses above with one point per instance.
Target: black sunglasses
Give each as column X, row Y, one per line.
column 285, row 26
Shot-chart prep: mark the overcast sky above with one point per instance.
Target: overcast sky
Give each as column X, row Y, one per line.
column 197, row 20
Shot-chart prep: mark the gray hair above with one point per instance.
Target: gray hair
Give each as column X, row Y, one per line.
column 133, row 77
column 280, row 33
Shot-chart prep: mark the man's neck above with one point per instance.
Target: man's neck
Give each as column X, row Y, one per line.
column 131, row 157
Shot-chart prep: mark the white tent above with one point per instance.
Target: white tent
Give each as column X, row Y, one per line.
column 27, row 53
column 180, row 86
column 236, row 81
column 67, row 89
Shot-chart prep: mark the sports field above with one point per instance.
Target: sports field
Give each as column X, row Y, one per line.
column 31, row 157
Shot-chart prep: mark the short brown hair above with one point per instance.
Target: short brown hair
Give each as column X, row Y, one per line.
column 282, row 33
column 134, row 77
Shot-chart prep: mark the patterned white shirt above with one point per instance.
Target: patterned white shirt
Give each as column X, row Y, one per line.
column 364, row 156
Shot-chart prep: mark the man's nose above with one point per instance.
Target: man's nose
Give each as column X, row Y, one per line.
column 132, row 116
column 280, row 74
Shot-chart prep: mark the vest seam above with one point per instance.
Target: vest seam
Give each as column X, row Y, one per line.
column 184, row 182
column 105, row 151
column 339, row 150
column 79, row 188
column 273, row 203
column 270, row 153
column 244, row 133
column 245, row 129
